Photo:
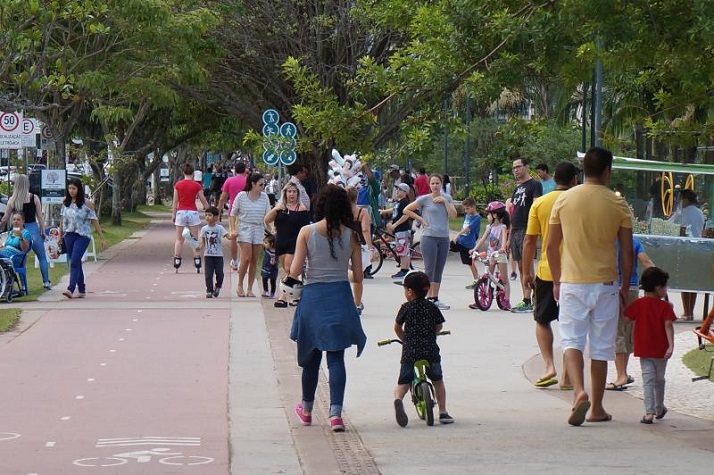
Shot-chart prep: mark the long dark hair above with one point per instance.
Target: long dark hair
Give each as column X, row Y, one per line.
column 252, row 180
column 334, row 206
column 79, row 200
column 503, row 216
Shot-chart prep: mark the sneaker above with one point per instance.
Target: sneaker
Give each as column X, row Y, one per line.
column 336, row 424
column 445, row 418
column 306, row 420
column 217, row 292
column 441, row 305
column 280, row 304
column 399, row 412
column 209, row 295
column 234, row 265
column 472, row 285
column 47, row 286
column 272, row 296
column 514, row 276
column 265, row 294
column 522, row 307
column 400, row 274
column 506, row 304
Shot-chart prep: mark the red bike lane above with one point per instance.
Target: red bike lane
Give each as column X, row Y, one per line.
column 132, row 379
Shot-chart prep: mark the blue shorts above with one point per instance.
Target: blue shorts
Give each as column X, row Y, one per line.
column 406, row 373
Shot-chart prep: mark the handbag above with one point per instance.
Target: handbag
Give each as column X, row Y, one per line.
column 62, row 247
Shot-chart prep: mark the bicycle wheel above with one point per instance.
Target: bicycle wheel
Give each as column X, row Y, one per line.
column 428, row 401
column 377, row 261
column 417, row 260
column 483, row 294
column 501, row 297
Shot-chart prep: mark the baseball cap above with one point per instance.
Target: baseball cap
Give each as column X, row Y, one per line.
column 402, row 186
column 393, row 166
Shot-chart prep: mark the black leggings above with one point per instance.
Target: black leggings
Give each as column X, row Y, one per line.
column 213, row 264
column 269, row 280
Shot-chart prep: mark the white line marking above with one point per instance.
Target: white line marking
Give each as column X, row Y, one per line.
column 90, row 380
column 112, row 351
column 50, row 444
column 121, row 339
column 65, row 418
column 129, row 330
column 139, row 311
column 102, row 364
column 79, row 397
column 134, row 319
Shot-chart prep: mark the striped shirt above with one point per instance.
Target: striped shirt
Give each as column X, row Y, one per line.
column 250, row 211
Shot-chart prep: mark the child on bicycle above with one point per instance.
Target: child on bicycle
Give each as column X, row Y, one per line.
column 497, row 234
column 418, row 321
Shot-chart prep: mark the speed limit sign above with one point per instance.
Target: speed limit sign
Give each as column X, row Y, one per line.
column 10, row 121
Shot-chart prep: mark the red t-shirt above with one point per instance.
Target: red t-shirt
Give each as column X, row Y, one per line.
column 187, row 192
column 649, row 315
column 233, row 186
column 421, row 185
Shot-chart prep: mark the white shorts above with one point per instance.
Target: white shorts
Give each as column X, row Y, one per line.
column 251, row 233
column 589, row 314
column 402, row 239
column 187, row 218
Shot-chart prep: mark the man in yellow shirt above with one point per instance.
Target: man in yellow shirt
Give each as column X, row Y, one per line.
column 588, row 220
column 545, row 308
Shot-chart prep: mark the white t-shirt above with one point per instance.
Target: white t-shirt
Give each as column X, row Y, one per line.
column 214, row 236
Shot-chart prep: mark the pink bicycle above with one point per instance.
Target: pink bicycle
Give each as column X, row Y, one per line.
column 489, row 285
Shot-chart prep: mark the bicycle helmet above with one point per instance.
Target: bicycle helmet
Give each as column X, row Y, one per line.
column 495, row 206
column 292, row 288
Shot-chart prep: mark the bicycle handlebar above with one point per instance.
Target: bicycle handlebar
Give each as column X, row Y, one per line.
column 390, row 341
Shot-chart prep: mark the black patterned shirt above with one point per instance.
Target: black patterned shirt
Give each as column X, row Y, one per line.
column 419, row 319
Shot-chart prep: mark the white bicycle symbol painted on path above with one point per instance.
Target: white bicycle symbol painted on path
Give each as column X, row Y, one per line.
column 164, row 456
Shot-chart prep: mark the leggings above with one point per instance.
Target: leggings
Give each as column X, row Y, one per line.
column 338, row 380
column 435, row 250
column 271, row 282
column 38, row 246
column 214, row 264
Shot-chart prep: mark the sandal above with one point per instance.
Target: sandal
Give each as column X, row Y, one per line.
column 647, row 419
column 280, row 304
column 473, row 306
column 240, row 292
column 294, row 303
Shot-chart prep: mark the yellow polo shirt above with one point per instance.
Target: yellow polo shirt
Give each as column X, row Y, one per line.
column 538, row 221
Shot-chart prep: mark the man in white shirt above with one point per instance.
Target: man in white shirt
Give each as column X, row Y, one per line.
column 692, row 225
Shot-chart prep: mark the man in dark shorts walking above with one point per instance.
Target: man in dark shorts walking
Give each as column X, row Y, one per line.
column 527, row 190
column 545, row 309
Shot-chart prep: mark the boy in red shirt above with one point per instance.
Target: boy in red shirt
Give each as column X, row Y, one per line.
column 653, row 338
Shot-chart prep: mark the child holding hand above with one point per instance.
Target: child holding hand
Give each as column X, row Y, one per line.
column 418, row 322
column 210, row 239
column 653, row 337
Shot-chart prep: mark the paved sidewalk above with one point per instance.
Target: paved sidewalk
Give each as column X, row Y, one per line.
column 503, row 424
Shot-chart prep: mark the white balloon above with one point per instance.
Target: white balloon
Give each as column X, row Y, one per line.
column 337, row 157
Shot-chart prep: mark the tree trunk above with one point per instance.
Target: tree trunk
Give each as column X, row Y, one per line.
column 116, row 198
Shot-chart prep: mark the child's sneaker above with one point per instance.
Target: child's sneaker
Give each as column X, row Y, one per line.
column 217, row 292
column 472, row 285
column 441, row 305
column 402, row 418
column 209, row 295
column 306, row 420
column 234, row 265
column 337, row 425
column 272, row 296
column 265, row 294
column 445, row 418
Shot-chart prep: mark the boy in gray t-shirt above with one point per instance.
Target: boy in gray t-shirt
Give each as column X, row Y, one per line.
column 210, row 242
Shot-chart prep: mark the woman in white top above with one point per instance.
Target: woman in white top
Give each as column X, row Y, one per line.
column 246, row 219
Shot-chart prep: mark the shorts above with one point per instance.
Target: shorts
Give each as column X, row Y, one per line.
column 406, row 373
column 251, row 233
column 401, row 239
column 517, row 244
column 623, row 341
column 463, row 252
column 545, row 308
column 589, row 314
column 366, row 257
column 186, row 217
column 499, row 257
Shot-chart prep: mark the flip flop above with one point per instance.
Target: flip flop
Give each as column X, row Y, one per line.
column 630, row 379
column 577, row 416
column 544, row 383
column 661, row 414
column 566, row 387
column 249, row 294
column 607, row 418
column 240, row 292
column 615, row 387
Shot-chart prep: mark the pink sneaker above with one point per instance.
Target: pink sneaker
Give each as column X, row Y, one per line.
column 306, row 420
column 337, row 425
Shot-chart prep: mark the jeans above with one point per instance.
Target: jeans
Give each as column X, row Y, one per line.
column 338, row 380
column 76, row 246
column 38, row 246
column 653, row 370
column 213, row 264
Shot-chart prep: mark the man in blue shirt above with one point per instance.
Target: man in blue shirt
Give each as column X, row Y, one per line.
column 465, row 240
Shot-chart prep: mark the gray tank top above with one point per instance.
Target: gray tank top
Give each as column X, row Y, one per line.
column 321, row 266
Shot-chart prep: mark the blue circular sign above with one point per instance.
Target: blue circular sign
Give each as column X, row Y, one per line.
column 271, row 157
column 271, row 116
column 288, row 157
column 288, row 129
column 270, row 129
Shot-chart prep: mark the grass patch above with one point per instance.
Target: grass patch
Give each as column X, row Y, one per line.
column 699, row 360
column 8, row 319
